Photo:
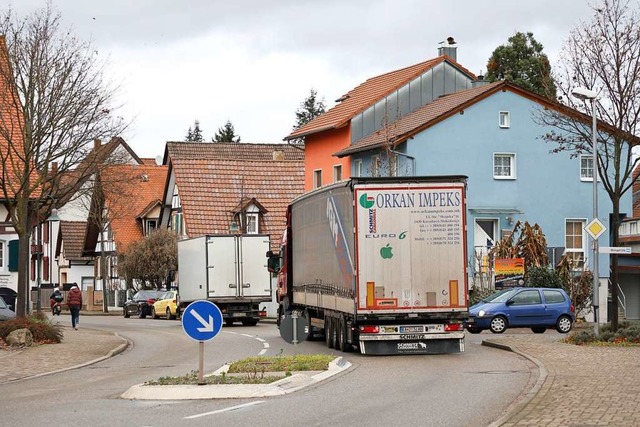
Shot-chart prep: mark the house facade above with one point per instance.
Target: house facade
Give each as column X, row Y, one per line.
column 370, row 106
column 491, row 134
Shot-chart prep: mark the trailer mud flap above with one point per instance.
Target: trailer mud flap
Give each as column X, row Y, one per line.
column 439, row 346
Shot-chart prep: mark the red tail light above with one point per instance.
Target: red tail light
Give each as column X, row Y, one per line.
column 369, row 329
column 150, row 301
column 262, row 313
column 453, row 327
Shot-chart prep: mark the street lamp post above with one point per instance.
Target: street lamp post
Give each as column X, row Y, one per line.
column 585, row 95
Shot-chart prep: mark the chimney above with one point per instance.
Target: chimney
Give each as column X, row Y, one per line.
column 480, row 81
column 96, row 144
column 449, row 48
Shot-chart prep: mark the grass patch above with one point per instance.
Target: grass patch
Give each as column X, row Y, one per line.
column 255, row 370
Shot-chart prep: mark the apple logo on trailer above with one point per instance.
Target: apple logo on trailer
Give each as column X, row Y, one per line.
column 386, row 252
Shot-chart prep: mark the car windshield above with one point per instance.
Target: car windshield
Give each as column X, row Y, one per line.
column 500, row 296
column 2, row 303
column 148, row 294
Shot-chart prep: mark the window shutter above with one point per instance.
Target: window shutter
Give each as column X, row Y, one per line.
column 13, row 255
column 45, row 268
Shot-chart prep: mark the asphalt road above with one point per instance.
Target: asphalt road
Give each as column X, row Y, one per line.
column 472, row 388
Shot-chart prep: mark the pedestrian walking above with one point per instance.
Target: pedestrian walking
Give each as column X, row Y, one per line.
column 74, row 301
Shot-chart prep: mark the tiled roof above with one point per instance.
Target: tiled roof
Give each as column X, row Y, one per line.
column 421, row 118
column 139, row 187
column 367, row 94
column 214, row 178
column 72, row 234
column 12, row 149
column 446, row 106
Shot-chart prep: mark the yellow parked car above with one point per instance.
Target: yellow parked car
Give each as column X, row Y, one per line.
column 167, row 306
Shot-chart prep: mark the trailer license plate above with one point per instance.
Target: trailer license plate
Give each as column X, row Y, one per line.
column 435, row 328
column 412, row 329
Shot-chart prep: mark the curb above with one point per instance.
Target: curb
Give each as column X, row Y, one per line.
column 228, row 391
column 516, row 408
column 122, row 347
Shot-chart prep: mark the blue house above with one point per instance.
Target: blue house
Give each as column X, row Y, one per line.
column 490, row 133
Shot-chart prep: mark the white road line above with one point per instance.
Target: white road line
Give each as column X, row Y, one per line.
column 232, row 408
column 247, row 335
column 260, row 339
column 265, row 344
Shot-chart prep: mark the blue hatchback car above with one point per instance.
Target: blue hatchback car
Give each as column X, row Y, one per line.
column 535, row 308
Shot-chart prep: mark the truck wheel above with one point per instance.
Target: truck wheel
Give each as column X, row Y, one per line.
column 249, row 322
column 228, row 322
column 329, row 332
column 342, row 342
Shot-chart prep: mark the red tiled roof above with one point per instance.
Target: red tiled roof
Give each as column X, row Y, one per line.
column 72, row 235
column 11, row 140
column 214, row 178
column 138, row 188
column 367, row 94
column 421, row 118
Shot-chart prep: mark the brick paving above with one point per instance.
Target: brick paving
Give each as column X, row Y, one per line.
column 584, row 385
column 77, row 348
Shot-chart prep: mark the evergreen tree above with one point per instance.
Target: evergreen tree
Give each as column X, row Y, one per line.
column 226, row 134
column 309, row 109
column 521, row 61
column 194, row 134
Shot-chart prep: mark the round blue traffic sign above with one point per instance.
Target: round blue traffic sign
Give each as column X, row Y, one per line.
column 202, row 320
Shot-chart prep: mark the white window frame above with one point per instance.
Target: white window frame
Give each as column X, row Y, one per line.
column 252, row 223
column 3, row 255
column 317, row 178
column 576, row 250
column 357, row 167
column 512, row 165
column 633, row 227
column 376, row 165
column 176, row 223
column 337, row 173
column 147, row 226
column 585, row 170
column 504, row 119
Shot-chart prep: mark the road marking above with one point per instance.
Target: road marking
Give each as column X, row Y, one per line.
column 232, row 408
column 265, row 344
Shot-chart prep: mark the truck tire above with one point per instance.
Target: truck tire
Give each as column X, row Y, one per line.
column 329, row 332
column 249, row 322
column 342, row 343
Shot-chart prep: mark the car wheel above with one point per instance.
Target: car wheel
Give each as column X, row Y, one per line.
column 169, row 315
column 564, row 324
column 539, row 330
column 498, row 324
column 141, row 313
column 473, row 330
column 153, row 313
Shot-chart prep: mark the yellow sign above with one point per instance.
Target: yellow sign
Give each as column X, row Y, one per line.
column 595, row 228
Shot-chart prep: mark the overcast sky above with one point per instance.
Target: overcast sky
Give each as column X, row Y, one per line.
column 254, row 61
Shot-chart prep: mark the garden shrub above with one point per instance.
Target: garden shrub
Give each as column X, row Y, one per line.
column 41, row 328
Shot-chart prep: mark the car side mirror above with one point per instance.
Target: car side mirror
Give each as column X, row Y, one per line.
column 509, row 302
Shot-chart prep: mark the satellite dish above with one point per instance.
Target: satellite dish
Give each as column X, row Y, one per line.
column 159, row 160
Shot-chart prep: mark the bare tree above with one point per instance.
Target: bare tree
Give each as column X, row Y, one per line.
column 602, row 55
column 54, row 101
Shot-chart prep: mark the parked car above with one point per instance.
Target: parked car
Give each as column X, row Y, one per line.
column 9, row 296
column 5, row 312
column 141, row 303
column 166, row 306
column 535, row 308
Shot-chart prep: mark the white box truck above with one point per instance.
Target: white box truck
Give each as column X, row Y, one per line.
column 379, row 264
column 228, row 270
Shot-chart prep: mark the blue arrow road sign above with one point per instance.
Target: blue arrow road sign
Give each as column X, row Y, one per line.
column 202, row 320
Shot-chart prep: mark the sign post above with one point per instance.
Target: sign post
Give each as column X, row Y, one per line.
column 201, row 321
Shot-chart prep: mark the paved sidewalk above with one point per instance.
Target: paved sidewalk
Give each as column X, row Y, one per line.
column 577, row 385
column 78, row 348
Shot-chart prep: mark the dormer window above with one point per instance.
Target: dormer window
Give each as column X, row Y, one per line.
column 252, row 223
column 249, row 215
